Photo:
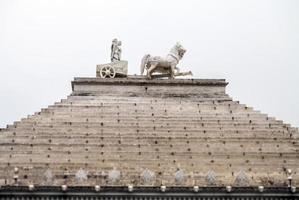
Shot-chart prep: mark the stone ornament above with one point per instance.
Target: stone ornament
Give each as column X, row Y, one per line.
column 228, row 188
column 195, row 188
column 148, row 176
column 211, row 178
column 114, row 175
column 179, row 176
column 261, row 188
column 97, row 188
column 293, row 189
column 64, row 188
column 48, row 175
column 242, row 179
column 165, row 66
column 81, row 175
column 130, row 188
column 31, row 187
column 163, row 188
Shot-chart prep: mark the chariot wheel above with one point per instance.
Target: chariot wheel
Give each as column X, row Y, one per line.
column 107, row 72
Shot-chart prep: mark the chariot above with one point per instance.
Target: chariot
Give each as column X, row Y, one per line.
column 114, row 69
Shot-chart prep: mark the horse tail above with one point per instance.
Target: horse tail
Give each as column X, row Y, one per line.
column 144, row 63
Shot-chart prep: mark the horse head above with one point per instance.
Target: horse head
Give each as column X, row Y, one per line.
column 178, row 50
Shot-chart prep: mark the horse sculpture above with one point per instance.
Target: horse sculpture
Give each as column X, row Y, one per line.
column 164, row 65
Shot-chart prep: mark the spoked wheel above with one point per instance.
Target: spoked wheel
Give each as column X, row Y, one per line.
column 107, row 72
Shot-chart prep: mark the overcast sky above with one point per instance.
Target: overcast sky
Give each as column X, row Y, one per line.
column 253, row 44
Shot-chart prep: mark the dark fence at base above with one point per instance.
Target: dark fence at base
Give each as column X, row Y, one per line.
column 144, row 193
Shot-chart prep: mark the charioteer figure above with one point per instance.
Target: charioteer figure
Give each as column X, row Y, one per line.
column 115, row 50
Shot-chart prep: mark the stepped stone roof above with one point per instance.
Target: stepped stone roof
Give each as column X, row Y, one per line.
column 116, row 132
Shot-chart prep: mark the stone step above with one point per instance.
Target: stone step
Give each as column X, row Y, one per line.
column 107, row 125
column 147, row 141
column 152, row 121
column 106, row 132
column 212, row 148
column 131, row 159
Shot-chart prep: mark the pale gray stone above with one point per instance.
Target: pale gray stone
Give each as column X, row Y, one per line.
column 113, row 70
column 179, row 176
column 242, row 179
column 115, row 50
column 114, row 175
column 148, row 176
column 211, row 177
column 81, row 175
column 166, row 66
column 48, row 176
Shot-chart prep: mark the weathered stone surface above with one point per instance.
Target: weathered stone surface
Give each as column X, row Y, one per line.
column 148, row 132
column 115, row 69
column 166, row 66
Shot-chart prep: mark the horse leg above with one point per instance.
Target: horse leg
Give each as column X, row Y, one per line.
column 172, row 71
column 150, row 71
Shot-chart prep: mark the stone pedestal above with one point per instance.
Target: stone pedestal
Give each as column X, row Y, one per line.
column 184, row 88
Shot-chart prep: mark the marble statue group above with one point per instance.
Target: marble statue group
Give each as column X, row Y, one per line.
column 155, row 66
